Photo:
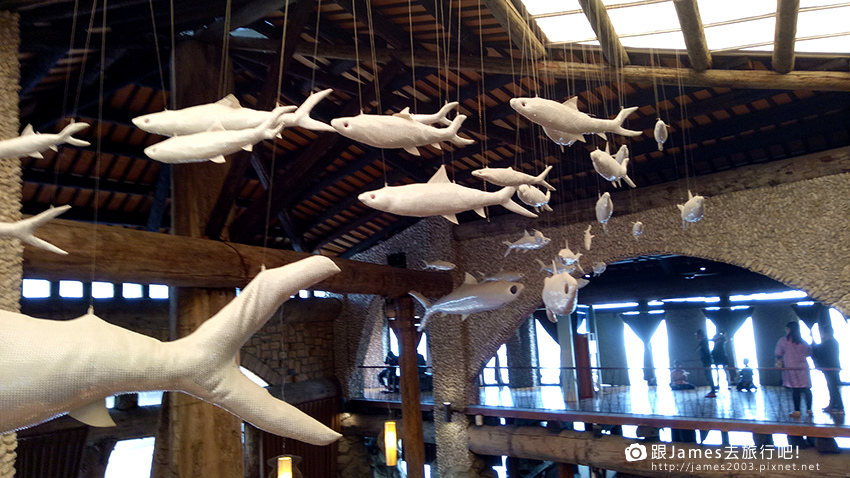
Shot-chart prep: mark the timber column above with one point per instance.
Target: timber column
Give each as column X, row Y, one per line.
column 11, row 250
column 197, row 438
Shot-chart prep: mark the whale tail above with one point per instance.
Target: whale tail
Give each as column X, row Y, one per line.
column 541, row 178
column 302, row 118
column 618, row 129
column 506, row 194
column 426, row 304
column 25, row 229
column 626, row 177
column 216, row 342
column 454, row 128
column 73, row 128
column 441, row 115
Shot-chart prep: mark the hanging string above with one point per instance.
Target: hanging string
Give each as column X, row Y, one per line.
column 225, row 53
column 357, row 59
column 158, row 56
column 70, row 49
column 98, row 148
column 315, row 46
column 85, row 58
column 173, row 52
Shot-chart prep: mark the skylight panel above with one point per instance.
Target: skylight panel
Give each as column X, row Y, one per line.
column 838, row 44
column 542, row 7
column 661, row 41
column 738, row 35
column 717, row 11
column 823, row 22
column 658, row 17
column 566, row 28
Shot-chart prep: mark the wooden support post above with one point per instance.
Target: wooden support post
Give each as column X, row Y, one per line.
column 522, row 35
column 692, row 30
column 413, row 439
column 785, row 35
column 605, row 32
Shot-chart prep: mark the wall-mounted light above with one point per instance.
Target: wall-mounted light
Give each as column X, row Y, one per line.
column 390, row 443
column 284, row 467
column 447, row 410
column 479, row 420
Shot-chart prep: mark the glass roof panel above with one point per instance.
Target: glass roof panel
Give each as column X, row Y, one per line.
column 736, row 35
column 822, row 22
column 661, row 41
column 566, row 28
column 715, row 11
column 644, row 18
column 840, row 44
column 542, row 7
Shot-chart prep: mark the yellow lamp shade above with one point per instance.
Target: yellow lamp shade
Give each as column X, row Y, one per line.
column 390, row 443
column 284, row 467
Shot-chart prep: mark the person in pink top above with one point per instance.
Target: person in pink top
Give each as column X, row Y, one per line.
column 791, row 353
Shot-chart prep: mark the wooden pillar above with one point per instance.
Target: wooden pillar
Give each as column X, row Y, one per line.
column 197, row 438
column 413, row 439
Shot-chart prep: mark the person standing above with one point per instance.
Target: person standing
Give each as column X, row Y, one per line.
column 791, row 352
column 705, row 357
column 826, row 358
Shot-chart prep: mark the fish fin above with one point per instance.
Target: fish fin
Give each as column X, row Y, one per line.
column 464, row 316
column 230, row 101
column 36, row 155
column 42, row 244
column 469, row 279
column 94, row 414
column 421, row 299
column 660, row 146
column 546, row 207
column 440, row 176
column 541, row 178
column 217, row 159
column 621, row 116
column 582, row 282
column 690, row 195
column 28, row 131
column 572, row 103
column 602, row 135
column 412, row 150
column 248, row 147
column 480, row 212
column 551, row 316
column 453, row 128
column 54, row 147
column 514, row 207
column 216, row 126
column 404, row 114
column 302, row 114
column 629, row 181
column 437, row 145
column 451, row 217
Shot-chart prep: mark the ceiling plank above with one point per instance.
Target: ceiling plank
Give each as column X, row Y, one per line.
column 785, row 35
column 248, row 14
column 694, row 33
column 522, row 36
column 442, row 11
column 394, row 35
column 612, row 49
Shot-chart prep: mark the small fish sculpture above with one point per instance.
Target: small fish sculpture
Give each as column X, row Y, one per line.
column 510, row 177
column 214, row 144
column 438, row 117
column 558, row 267
column 535, row 198
column 693, row 210
column 30, row 143
column 400, row 130
column 227, row 113
column 604, row 209
column 439, row 197
column 609, row 168
column 70, row 367
column 637, row 229
column 439, row 266
column 599, row 268
column 25, row 228
column 570, row 123
column 469, row 298
column 567, row 255
column 622, row 154
column 660, row 134
column 502, row 275
column 588, row 237
column 560, row 292
column 527, row 242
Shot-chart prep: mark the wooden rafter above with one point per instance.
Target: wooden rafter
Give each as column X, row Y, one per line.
column 785, row 35
column 394, row 35
column 522, row 35
column 692, row 30
column 596, row 14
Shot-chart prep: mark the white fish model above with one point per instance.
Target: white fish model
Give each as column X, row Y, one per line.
column 509, row 276
column 30, row 143
column 609, row 168
column 470, row 297
column 438, row 117
column 622, row 154
column 527, row 242
column 439, row 197
column 534, row 197
column 693, row 210
column 230, row 115
column 214, row 144
column 588, row 237
column 439, row 266
column 25, row 228
column 558, row 268
column 570, row 123
column 599, row 268
column 71, row 366
column 510, row 177
column 562, row 138
column 660, row 133
column 400, row 130
column 604, row 209
column 567, row 255
column 559, row 294
column 637, row 229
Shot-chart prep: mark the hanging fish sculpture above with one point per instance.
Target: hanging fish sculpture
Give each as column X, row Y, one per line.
column 469, row 298
column 230, row 115
column 509, row 177
column 660, row 134
column 604, row 209
column 25, row 228
column 622, row 154
column 609, row 168
column 560, row 293
column 693, row 210
column 400, row 130
column 527, row 242
column 502, row 275
column 562, row 138
column 30, row 143
column 599, row 268
column 438, row 117
column 70, row 367
column 637, row 229
column 558, row 267
column 567, row 255
column 570, row 123
column 588, row 237
column 439, row 266
column 439, row 197
column 214, row 144
column 533, row 197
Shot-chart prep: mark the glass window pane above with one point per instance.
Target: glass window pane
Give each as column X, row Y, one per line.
column 644, row 18
column 824, row 45
column 102, row 290
column 566, row 28
column 70, row 289
column 131, row 291
column 158, row 291
column 661, row 41
column 131, row 459
column 714, row 11
column 740, row 34
column 540, row 7
column 35, row 289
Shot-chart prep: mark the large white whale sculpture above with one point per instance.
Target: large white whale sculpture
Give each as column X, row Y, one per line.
column 30, row 143
column 230, row 115
column 25, row 228
column 439, row 197
column 693, row 210
column 56, row 367
column 400, row 130
column 510, row 177
column 567, row 121
column 559, row 294
column 470, row 297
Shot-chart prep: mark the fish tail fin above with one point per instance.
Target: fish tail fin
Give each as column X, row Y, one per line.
column 426, row 304
column 541, row 178
column 621, row 116
column 71, row 129
column 629, row 181
column 441, row 115
column 453, row 128
column 660, row 146
column 510, row 205
column 217, row 341
column 29, row 226
column 302, row 114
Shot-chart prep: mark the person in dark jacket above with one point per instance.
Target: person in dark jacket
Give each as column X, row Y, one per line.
column 705, row 357
column 826, row 356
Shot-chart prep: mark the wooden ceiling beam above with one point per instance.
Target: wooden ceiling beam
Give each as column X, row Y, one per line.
column 385, row 28
column 612, row 49
column 442, row 11
column 522, row 35
column 399, row 225
column 248, row 14
column 694, row 33
column 785, row 35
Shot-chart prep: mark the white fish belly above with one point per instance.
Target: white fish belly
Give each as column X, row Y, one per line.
column 423, row 200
